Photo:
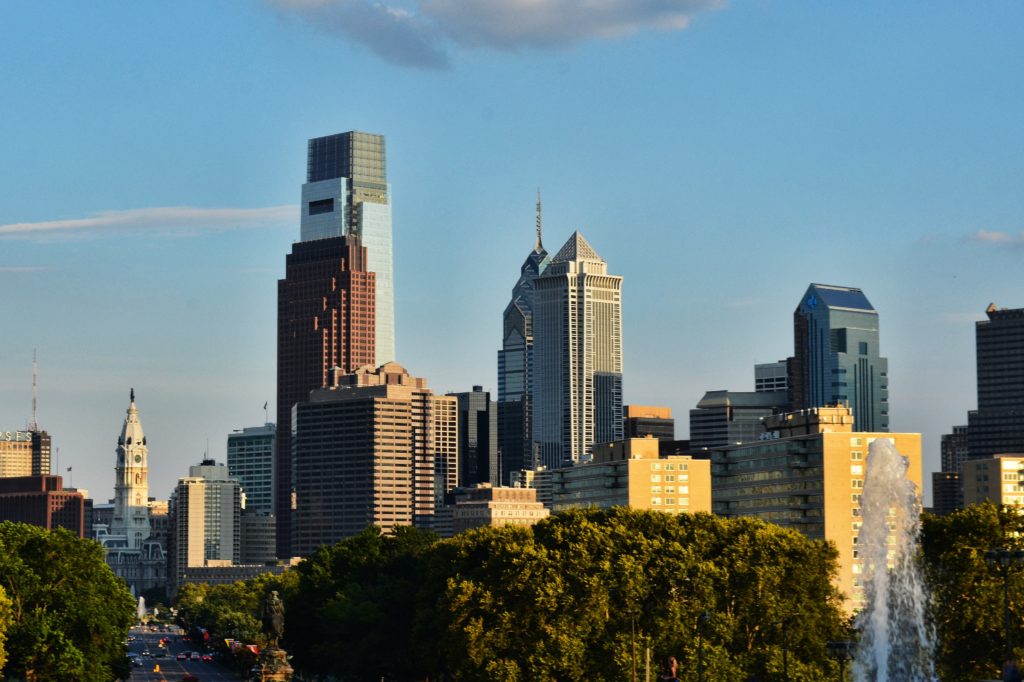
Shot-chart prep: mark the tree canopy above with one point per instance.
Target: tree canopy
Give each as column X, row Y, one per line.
column 67, row 614
column 581, row 595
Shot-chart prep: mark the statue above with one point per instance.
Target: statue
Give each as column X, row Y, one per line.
column 273, row 619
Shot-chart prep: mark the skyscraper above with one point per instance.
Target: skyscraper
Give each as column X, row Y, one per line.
column 364, row 456
column 251, row 463
column 577, row 325
column 997, row 426
column 325, row 319
column 205, row 527
column 347, row 192
column 131, row 485
column 515, row 366
column 478, row 438
column 836, row 349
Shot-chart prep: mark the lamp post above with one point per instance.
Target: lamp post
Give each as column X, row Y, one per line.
column 1003, row 559
column 842, row 652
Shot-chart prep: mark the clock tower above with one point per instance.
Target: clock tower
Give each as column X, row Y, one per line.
column 131, row 488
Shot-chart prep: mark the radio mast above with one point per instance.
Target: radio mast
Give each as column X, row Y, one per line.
column 35, row 422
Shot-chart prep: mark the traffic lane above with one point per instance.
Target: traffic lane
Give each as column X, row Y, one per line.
column 170, row 668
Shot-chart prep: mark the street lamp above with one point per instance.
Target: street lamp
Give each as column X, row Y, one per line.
column 842, row 652
column 1003, row 559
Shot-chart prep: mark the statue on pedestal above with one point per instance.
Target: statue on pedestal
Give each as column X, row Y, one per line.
column 273, row 662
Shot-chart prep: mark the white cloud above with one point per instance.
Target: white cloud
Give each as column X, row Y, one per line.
column 160, row 220
column 420, row 36
column 998, row 238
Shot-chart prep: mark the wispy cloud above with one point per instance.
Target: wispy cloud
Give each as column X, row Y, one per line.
column 422, row 35
column 22, row 268
column 168, row 220
column 1004, row 239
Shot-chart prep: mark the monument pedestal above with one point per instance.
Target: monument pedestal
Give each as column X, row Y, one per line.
column 273, row 666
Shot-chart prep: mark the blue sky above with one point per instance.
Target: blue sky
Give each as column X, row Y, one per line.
column 720, row 156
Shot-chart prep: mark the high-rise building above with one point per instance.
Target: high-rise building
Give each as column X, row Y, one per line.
column 996, row 479
column 325, row 319
column 445, row 418
column 486, row 505
column 771, row 376
column 251, row 463
column 347, row 192
column 649, row 420
column 808, row 475
column 730, row 417
column 364, row 455
column 577, row 330
column 954, row 449
column 205, row 511
column 997, row 426
column 633, row 473
column 24, row 453
column 515, row 365
column 837, row 360
column 478, row 437
column 42, row 501
column 947, row 495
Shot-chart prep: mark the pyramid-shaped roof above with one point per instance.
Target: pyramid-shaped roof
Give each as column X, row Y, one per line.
column 576, row 249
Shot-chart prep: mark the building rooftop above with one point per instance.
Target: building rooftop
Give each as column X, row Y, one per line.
column 839, row 297
column 575, row 249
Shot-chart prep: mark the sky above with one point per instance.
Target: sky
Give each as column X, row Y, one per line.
column 720, row 156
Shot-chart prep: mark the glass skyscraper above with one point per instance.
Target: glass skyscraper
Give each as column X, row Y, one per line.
column 997, row 426
column 836, row 351
column 515, row 362
column 577, row 327
column 346, row 191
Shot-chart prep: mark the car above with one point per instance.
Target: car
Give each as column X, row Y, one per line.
column 195, row 656
column 146, row 653
column 182, row 656
column 207, row 658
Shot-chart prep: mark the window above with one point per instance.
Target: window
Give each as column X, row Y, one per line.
column 321, row 206
column 863, row 347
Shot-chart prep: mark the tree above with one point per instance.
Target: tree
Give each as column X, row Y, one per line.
column 967, row 595
column 5, row 624
column 69, row 613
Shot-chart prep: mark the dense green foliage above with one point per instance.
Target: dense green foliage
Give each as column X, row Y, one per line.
column 231, row 611
column 967, row 593
column 5, row 624
column 569, row 599
column 69, row 614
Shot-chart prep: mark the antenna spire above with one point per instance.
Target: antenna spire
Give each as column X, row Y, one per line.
column 540, row 244
column 35, row 371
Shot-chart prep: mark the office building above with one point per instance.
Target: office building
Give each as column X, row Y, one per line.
column 478, row 438
column 205, row 511
column 954, row 449
column 730, row 417
column 649, row 420
column 347, row 192
column 771, row 376
column 445, row 419
column 515, row 366
column 997, row 426
column 947, row 495
column 24, row 453
column 251, row 463
column 325, row 319
column 485, row 505
column 808, row 474
column 632, row 473
column 836, row 356
column 363, row 452
column 996, row 479
column 258, row 538
column 42, row 501
column 577, row 331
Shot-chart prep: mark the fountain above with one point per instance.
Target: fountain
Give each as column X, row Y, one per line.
column 896, row 642
column 140, row 610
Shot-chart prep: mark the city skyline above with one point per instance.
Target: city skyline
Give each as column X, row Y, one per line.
column 720, row 168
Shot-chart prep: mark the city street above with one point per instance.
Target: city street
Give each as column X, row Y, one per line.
column 171, row 669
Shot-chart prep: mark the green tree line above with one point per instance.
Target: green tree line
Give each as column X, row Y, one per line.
column 64, row 615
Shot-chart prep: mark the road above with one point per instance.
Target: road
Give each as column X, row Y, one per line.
column 171, row 669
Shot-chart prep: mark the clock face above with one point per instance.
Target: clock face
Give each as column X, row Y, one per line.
column 138, row 459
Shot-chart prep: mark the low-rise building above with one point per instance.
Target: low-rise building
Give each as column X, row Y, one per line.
column 997, row 479
column 42, row 501
column 485, row 505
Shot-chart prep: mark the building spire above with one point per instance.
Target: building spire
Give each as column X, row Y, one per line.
column 540, row 245
column 133, row 395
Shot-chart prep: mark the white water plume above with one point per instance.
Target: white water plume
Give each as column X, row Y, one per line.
column 896, row 642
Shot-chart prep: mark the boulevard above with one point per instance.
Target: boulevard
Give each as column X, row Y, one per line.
column 171, row 669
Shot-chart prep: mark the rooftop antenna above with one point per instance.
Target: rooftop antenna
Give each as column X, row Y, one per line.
column 540, row 245
column 35, row 368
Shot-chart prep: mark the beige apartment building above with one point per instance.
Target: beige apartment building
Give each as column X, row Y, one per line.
column 631, row 473
column 997, row 479
column 485, row 505
column 807, row 473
